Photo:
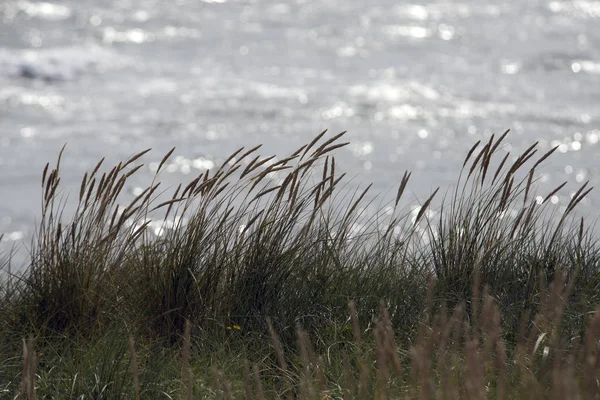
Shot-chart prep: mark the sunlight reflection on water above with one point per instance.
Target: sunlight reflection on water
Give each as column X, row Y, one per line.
column 415, row 85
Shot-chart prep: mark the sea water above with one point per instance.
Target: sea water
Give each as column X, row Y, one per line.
column 415, row 84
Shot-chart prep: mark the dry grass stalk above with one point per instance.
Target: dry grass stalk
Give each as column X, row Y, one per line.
column 311, row 144
column 28, row 378
column 482, row 155
column 280, row 358
column 381, row 357
column 500, row 167
column 134, row 368
column 323, row 149
column 424, row 207
column 248, row 392
column 163, row 160
column 355, row 322
column 186, row 374
column 222, row 385
column 260, row 392
column 402, row 187
column 307, row 389
column 499, row 141
column 470, row 152
column 528, row 186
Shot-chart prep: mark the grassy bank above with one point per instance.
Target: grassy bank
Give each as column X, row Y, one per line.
column 263, row 278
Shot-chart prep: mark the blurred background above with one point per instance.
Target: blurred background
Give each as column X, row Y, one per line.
column 415, row 84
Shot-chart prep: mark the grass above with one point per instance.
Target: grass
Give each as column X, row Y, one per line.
column 263, row 279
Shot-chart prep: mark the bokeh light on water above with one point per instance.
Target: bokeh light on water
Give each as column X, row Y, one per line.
column 415, row 84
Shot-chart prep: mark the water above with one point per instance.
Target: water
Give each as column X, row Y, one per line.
column 415, row 84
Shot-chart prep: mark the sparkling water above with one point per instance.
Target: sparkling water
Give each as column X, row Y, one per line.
column 415, row 84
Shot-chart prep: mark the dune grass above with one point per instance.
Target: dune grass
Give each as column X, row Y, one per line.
column 264, row 278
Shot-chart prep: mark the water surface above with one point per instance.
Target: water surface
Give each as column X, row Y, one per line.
column 415, row 84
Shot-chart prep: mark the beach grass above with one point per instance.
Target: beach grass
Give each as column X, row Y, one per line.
column 269, row 277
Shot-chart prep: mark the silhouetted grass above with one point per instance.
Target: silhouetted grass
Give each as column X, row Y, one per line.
column 257, row 279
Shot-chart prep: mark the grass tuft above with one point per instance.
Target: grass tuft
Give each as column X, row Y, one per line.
column 266, row 278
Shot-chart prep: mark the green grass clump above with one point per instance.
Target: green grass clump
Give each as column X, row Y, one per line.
column 261, row 279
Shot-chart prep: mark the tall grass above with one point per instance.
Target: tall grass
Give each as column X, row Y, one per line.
column 484, row 291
